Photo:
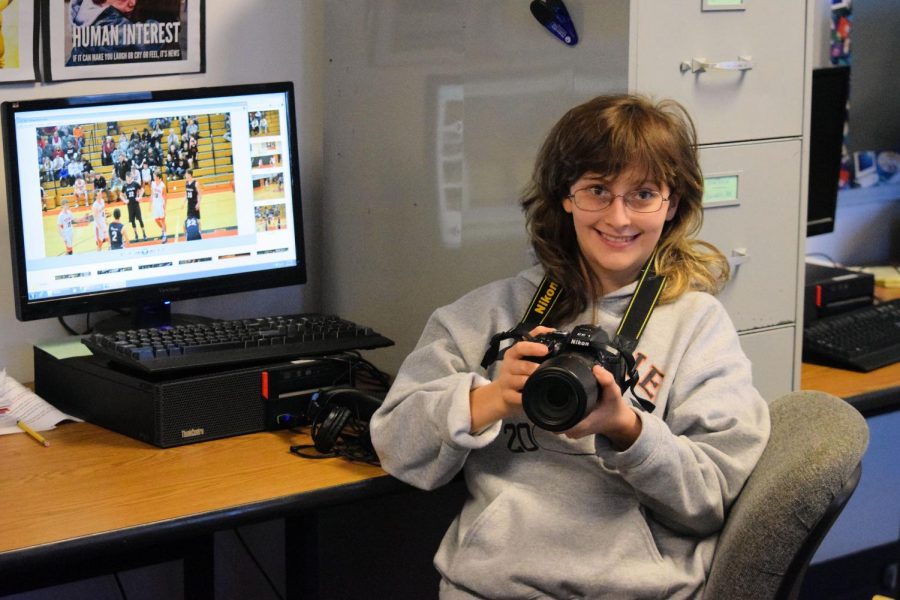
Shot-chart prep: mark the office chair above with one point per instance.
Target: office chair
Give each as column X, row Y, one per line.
column 803, row 480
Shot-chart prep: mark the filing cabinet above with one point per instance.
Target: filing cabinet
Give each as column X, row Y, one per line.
column 756, row 227
column 739, row 67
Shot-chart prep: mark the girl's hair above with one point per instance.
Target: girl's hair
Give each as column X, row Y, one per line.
column 608, row 136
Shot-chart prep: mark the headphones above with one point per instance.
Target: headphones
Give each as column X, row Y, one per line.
column 339, row 424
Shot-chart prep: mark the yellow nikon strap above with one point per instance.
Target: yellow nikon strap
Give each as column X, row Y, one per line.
column 649, row 287
column 543, row 302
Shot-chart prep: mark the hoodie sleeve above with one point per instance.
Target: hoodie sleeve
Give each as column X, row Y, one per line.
column 689, row 468
column 421, row 432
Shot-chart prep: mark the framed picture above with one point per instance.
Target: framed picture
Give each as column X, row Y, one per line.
column 17, row 40
column 93, row 39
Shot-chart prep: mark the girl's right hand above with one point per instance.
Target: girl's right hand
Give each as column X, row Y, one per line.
column 502, row 397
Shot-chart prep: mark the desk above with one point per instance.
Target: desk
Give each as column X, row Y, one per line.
column 95, row 496
column 872, row 393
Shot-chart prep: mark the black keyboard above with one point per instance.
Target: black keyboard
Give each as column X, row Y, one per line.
column 232, row 343
column 862, row 340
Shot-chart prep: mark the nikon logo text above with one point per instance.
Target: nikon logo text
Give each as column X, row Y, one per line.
column 186, row 433
column 544, row 301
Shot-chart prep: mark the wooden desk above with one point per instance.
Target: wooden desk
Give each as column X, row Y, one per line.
column 872, row 393
column 94, row 495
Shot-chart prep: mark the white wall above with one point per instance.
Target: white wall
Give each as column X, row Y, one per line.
column 245, row 44
column 436, row 109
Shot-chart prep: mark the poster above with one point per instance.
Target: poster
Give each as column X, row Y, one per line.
column 89, row 39
column 17, row 35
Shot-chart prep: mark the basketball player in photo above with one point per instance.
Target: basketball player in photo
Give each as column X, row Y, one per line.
column 98, row 210
column 64, row 224
column 158, row 199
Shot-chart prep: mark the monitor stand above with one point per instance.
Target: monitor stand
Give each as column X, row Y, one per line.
column 146, row 316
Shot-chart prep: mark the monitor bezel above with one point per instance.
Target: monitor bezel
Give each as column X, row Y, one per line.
column 152, row 294
column 825, row 162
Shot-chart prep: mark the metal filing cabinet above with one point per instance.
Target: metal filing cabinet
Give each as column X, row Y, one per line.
column 739, row 68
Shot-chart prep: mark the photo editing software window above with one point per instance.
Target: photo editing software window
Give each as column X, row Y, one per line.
column 143, row 225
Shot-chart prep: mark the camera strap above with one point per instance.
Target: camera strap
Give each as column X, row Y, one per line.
column 643, row 301
column 637, row 314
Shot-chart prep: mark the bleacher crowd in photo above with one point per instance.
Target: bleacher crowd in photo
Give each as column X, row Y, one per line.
column 77, row 160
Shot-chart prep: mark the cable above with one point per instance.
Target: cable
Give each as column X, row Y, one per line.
column 67, row 328
column 342, row 449
column 833, row 262
column 361, row 367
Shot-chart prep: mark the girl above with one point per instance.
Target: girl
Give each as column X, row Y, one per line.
column 628, row 502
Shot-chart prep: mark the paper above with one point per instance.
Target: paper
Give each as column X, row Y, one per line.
column 886, row 276
column 17, row 402
column 66, row 348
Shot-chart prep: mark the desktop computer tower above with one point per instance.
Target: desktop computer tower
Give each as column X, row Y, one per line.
column 833, row 290
column 174, row 411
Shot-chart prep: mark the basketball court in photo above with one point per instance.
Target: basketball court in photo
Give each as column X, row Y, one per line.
column 217, row 209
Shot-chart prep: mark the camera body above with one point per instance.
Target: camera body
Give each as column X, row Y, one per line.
column 562, row 391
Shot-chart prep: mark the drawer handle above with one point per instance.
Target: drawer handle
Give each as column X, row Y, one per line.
column 700, row 65
column 738, row 257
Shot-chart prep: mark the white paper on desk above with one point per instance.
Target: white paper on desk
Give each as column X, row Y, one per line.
column 17, row 402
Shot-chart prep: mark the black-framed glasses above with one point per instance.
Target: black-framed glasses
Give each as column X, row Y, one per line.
column 597, row 197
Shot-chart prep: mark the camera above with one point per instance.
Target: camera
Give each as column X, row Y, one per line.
column 562, row 391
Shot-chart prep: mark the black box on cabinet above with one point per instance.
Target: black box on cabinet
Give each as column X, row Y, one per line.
column 833, row 290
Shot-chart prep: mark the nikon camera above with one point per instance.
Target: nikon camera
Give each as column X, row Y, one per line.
column 562, row 391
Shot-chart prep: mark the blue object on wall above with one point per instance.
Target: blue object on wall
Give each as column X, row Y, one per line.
column 553, row 15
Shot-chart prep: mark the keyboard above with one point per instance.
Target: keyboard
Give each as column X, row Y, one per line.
column 232, row 343
column 863, row 339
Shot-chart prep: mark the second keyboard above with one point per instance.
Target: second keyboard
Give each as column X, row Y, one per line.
column 862, row 340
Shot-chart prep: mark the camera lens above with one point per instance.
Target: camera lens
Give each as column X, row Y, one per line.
column 561, row 392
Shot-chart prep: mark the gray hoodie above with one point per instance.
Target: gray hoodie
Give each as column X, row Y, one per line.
column 551, row 517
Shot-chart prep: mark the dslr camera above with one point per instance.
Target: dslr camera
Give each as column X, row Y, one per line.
column 562, row 391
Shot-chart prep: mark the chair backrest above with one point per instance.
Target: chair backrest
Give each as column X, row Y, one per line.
column 802, row 482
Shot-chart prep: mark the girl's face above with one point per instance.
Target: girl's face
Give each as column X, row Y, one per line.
column 616, row 241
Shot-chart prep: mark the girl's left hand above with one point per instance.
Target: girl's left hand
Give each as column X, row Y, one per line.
column 611, row 417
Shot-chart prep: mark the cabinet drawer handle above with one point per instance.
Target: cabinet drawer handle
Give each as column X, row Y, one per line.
column 738, row 257
column 700, row 65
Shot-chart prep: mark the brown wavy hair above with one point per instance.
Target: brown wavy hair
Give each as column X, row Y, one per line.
column 609, row 135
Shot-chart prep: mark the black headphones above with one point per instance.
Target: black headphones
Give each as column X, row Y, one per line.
column 339, row 424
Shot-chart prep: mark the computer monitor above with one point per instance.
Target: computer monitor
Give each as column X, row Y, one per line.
column 148, row 156
column 828, row 115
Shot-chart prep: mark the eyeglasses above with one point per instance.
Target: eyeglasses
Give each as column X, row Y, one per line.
column 597, row 197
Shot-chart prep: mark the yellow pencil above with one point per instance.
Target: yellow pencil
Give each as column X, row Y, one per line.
column 32, row 433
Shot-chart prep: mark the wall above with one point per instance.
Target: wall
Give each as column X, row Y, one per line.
column 244, row 45
column 435, row 112
column 874, row 125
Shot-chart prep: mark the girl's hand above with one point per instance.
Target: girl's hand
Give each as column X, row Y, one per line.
column 502, row 398
column 611, row 417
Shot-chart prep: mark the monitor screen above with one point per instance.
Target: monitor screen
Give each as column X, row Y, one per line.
column 828, row 115
column 135, row 200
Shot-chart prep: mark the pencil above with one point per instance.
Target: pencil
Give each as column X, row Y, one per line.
column 32, row 433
